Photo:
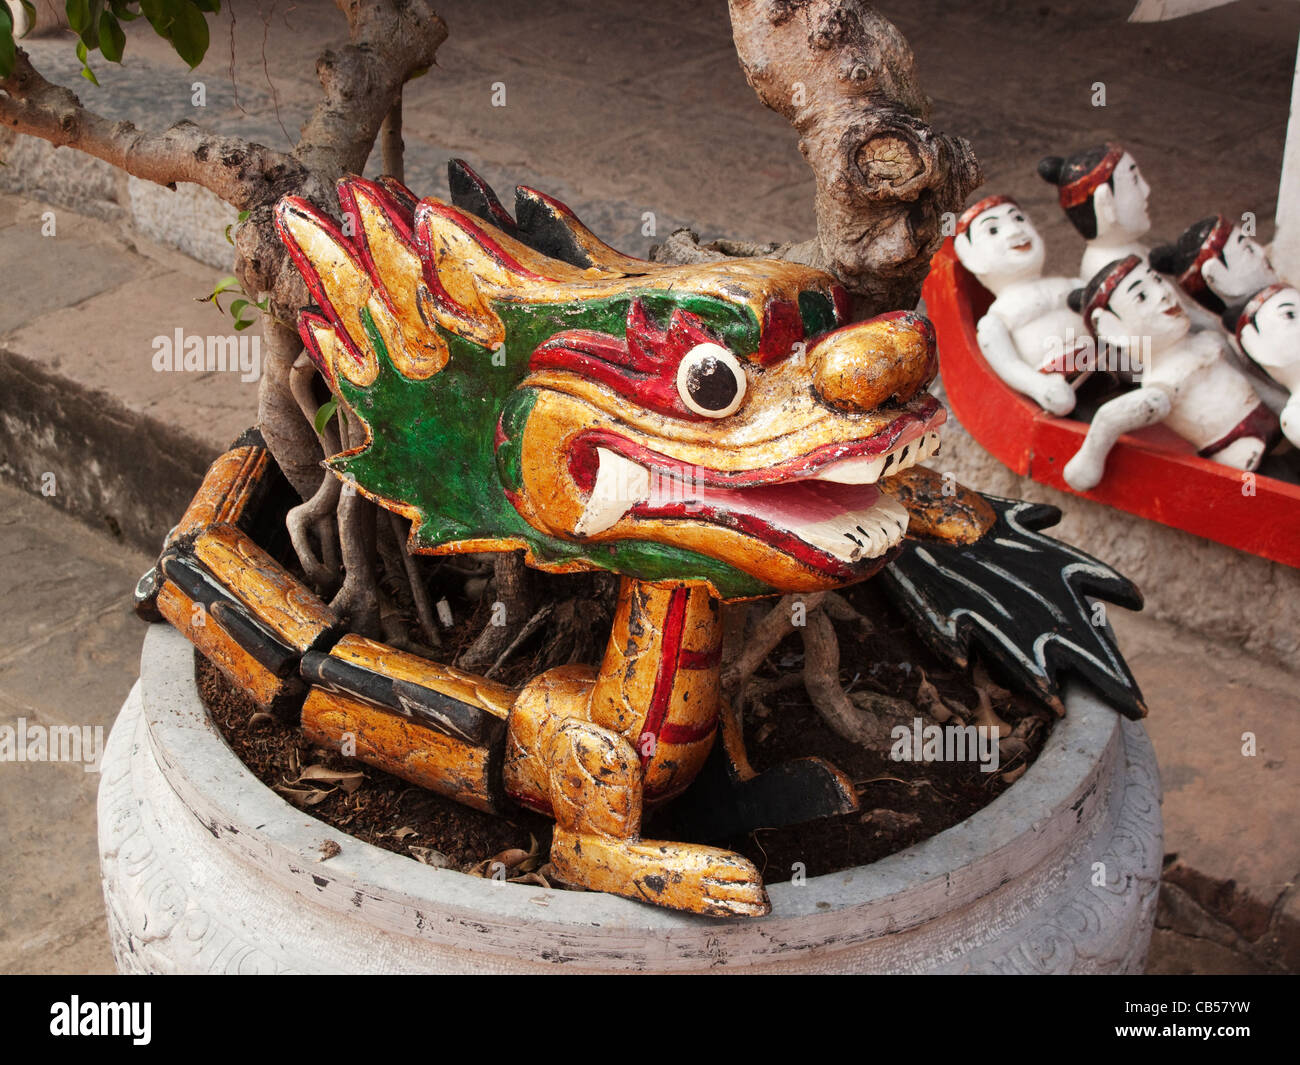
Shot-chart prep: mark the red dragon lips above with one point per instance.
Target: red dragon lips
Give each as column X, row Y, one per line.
column 825, row 509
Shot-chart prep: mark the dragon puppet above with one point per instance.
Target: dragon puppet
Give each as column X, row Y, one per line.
column 710, row 432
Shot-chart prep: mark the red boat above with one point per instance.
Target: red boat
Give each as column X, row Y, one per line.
column 1151, row 473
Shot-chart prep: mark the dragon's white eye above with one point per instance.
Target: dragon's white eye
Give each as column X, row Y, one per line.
column 711, row 381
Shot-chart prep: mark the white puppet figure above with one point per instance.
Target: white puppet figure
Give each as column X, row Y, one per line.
column 1029, row 335
column 1215, row 264
column 1267, row 328
column 1104, row 195
column 1186, row 380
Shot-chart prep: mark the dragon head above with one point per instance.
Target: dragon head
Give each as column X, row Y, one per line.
column 523, row 385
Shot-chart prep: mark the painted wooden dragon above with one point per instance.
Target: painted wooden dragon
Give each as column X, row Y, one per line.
column 709, row 432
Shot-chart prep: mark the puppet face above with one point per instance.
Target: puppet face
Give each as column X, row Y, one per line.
column 1243, row 269
column 1273, row 337
column 1002, row 242
column 1130, row 197
column 1147, row 306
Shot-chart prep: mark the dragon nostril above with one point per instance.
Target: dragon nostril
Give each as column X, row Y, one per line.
column 890, row 358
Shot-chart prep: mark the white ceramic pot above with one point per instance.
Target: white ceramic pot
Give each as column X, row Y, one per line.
column 207, row 870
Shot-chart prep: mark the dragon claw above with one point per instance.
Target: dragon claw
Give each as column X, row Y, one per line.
column 679, row 876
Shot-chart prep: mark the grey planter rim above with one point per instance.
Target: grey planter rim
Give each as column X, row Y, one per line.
column 1035, row 824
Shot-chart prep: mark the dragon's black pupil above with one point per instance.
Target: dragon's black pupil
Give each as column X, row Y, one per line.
column 711, row 383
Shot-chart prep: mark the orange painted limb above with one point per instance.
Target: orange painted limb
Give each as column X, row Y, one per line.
column 202, row 627
column 387, row 661
column 658, row 683
column 680, row 876
column 291, row 610
column 228, row 489
column 466, row 773
column 558, row 695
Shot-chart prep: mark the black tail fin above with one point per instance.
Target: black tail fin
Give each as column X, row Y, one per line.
column 1024, row 600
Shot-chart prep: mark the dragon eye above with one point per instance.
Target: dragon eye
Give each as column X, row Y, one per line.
column 710, row 381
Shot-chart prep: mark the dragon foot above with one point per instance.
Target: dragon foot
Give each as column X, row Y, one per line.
column 680, row 876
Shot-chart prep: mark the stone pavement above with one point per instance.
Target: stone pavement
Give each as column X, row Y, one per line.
column 71, row 649
column 635, row 114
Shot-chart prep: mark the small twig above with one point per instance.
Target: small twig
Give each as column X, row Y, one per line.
column 419, row 593
column 529, row 628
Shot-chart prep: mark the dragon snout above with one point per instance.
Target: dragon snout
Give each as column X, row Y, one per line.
column 864, row 366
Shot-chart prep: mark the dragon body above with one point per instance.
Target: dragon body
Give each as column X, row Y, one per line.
column 710, row 432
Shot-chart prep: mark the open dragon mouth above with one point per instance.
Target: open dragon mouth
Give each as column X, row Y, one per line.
column 825, row 509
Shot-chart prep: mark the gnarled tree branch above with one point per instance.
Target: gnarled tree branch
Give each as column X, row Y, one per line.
column 241, row 173
column 845, row 78
column 392, row 41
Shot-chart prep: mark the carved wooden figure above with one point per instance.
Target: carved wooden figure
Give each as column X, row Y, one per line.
column 709, row 432
column 1030, row 335
column 1186, row 379
column 1267, row 330
column 1215, row 264
column 1103, row 193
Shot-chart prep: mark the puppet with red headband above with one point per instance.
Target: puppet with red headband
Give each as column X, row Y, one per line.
column 1215, row 263
column 1030, row 336
column 1186, row 379
column 1104, row 195
column 1267, row 330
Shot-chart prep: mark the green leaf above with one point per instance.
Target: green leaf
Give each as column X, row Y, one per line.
column 30, row 8
column 181, row 23
column 8, row 51
column 91, row 34
column 86, row 23
column 244, row 323
column 86, row 72
column 243, row 216
column 122, row 11
column 325, row 413
column 212, row 6
column 237, row 307
column 111, row 38
column 225, row 284
column 78, row 14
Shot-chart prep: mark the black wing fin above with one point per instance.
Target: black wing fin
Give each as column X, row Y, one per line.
column 471, row 193
column 1024, row 600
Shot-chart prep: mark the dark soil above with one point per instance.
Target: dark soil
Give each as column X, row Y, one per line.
column 901, row 802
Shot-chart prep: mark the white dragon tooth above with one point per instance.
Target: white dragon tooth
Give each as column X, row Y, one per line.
column 853, row 471
column 620, row 485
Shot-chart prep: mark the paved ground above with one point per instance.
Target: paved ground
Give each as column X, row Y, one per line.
column 71, row 653
column 623, row 110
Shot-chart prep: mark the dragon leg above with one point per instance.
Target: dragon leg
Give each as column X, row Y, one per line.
column 590, row 779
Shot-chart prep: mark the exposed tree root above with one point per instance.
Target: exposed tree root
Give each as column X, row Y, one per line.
column 358, row 598
column 770, row 630
column 415, row 582
column 318, row 515
column 510, row 577
column 821, row 676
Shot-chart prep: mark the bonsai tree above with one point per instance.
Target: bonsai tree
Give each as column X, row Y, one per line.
column 841, row 74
